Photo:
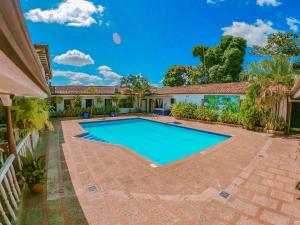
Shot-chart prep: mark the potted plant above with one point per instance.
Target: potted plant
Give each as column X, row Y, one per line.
column 115, row 104
column 33, row 172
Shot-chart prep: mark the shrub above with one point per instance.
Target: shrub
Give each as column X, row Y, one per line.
column 183, row 110
column 202, row 113
column 249, row 115
column 77, row 111
column 227, row 116
column 275, row 124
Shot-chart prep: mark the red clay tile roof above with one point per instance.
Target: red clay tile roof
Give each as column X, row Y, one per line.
column 82, row 90
column 213, row 88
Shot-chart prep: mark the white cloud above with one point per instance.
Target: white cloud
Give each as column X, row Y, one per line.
column 255, row 34
column 75, row 82
column 104, row 67
column 268, row 2
column 76, row 76
column 75, row 13
column 293, row 23
column 74, row 58
column 108, row 74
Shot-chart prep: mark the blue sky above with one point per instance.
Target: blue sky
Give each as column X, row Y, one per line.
column 96, row 42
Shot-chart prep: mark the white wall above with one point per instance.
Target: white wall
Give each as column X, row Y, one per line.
column 297, row 94
column 283, row 106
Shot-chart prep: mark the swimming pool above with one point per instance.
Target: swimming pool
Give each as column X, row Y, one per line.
column 159, row 142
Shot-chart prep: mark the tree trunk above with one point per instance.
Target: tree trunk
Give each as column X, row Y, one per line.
column 10, row 132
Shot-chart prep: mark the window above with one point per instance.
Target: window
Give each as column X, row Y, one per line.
column 67, row 103
column 159, row 103
column 126, row 103
column 173, row 101
column 88, row 103
column 108, row 103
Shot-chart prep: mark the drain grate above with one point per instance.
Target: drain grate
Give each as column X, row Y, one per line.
column 224, row 194
column 92, row 189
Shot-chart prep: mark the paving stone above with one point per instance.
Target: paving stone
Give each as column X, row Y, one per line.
column 264, row 174
column 80, row 221
column 247, row 221
column 291, row 209
column 277, row 171
column 68, row 189
column 34, row 216
column 73, row 207
column 247, row 208
column 54, row 204
column 55, row 218
column 274, row 218
column 163, row 216
column 285, row 179
column 256, row 187
column 282, row 195
column 272, row 183
column 265, row 201
column 52, row 163
column 52, row 185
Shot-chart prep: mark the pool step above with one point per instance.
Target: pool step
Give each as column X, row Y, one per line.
column 92, row 137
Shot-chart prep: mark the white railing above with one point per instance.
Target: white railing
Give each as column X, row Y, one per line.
column 22, row 148
column 10, row 191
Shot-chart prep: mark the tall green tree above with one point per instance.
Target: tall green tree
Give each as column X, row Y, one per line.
column 183, row 75
column 137, row 87
column 284, row 44
column 175, row 76
column 272, row 77
column 223, row 62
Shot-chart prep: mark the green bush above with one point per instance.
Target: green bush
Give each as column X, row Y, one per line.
column 249, row 115
column 190, row 110
column 227, row 116
column 77, row 111
column 183, row 110
column 202, row 113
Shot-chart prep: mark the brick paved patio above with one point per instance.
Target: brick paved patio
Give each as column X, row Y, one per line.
column 116, row 186
column 58, row 205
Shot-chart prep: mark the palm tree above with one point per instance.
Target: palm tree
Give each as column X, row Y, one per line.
column 275, row 77
column 31, row 114
column 77, row 100
column 137, row 87
column 116, row 101
column 99, row 100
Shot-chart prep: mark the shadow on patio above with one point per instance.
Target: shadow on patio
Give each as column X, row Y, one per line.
column 58, row 204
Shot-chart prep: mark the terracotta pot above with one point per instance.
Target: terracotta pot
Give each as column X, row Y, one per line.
column 36, row 188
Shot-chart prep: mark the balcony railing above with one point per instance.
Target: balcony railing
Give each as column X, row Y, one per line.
column 10, row 190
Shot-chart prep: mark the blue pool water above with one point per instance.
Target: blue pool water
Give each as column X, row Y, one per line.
column 159, row 142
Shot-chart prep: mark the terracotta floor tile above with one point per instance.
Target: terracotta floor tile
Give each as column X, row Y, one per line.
column 257, row 170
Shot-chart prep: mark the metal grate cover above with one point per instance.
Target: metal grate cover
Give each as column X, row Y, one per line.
column 224, row 194
column 92, row 189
